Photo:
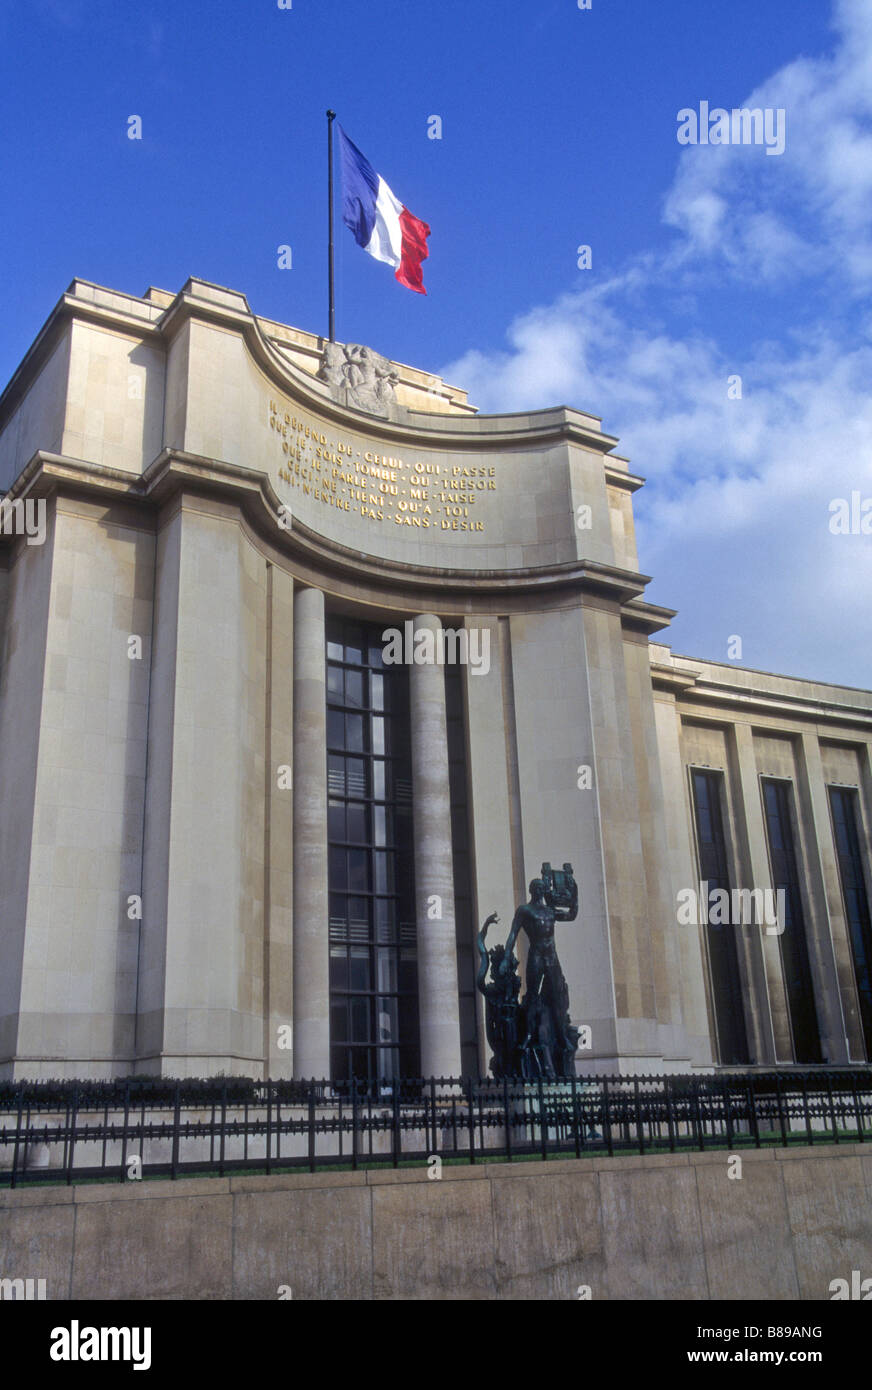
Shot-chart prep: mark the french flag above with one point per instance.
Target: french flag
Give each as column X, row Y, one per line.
column 379, row 221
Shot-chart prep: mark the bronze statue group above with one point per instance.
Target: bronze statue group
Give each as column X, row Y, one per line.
column 531, row 1037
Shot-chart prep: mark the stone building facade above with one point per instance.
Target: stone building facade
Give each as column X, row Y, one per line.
column 235, row 837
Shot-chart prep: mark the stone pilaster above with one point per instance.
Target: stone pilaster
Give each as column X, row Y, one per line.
column 201, row 976
column 311, row 951
column 278, row 887
column 437, row 947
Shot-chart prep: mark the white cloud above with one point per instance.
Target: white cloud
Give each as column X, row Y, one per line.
column 777, row 215
column 734, row 521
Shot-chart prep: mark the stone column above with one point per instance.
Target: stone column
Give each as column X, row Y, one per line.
column 434, row 882
column 494, row 805
column 828, row 940
column 311, row 952
column 690, row 942
column 770, row 1023
column 278, row 891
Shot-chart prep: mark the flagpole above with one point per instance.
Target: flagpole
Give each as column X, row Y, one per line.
column 331, row 117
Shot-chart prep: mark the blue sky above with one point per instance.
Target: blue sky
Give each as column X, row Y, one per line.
column 559, row 128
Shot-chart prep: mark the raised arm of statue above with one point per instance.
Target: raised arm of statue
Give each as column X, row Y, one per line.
column 517, row 924
column 483, row 957
column 570, row 911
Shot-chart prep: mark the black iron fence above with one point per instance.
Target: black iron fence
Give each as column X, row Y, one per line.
column 75, row 1131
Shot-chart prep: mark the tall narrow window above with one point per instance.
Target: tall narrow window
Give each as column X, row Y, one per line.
column 373, row 971
column 798, row 985
column 726, row 981
column 460, row 842
column 846, row 823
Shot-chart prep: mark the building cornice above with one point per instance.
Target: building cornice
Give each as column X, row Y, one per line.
column 646, row 618
column 672, row 678
column 696, row 701
column 174, row 473
column 412, row 428
column 154, row 320
column 703, row 697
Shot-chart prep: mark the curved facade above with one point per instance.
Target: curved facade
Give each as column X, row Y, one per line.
column 236, row 835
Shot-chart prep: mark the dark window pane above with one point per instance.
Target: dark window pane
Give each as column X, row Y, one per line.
column 361, row 1063
column 354, row 733
column 354, row 688
column 400, row 740
column 847, row 829
column 775, row 823
column 778, row 799
column 336, row 820
column 355, row 822
column 338, row 1023
column 336, row 869
column 360, row 1031
column 334, row 680
column 335, row 729
column 339, row 1063
column 360, row 975
column 407, row 1007
column 338, row 969
column 358, row 911
column 407, row 976
column 358, row 871
column 403, row 829
column 405, row 880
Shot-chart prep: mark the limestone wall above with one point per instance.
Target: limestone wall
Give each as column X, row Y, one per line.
column 36, row 420
column 748, row 725
column 671, row 1227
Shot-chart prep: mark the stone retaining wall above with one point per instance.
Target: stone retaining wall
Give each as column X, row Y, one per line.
column 658, row 1227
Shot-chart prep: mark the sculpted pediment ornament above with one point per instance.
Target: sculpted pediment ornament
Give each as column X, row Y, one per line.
column 359, row 377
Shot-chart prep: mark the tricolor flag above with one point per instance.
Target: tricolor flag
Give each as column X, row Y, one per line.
column 379, row 221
